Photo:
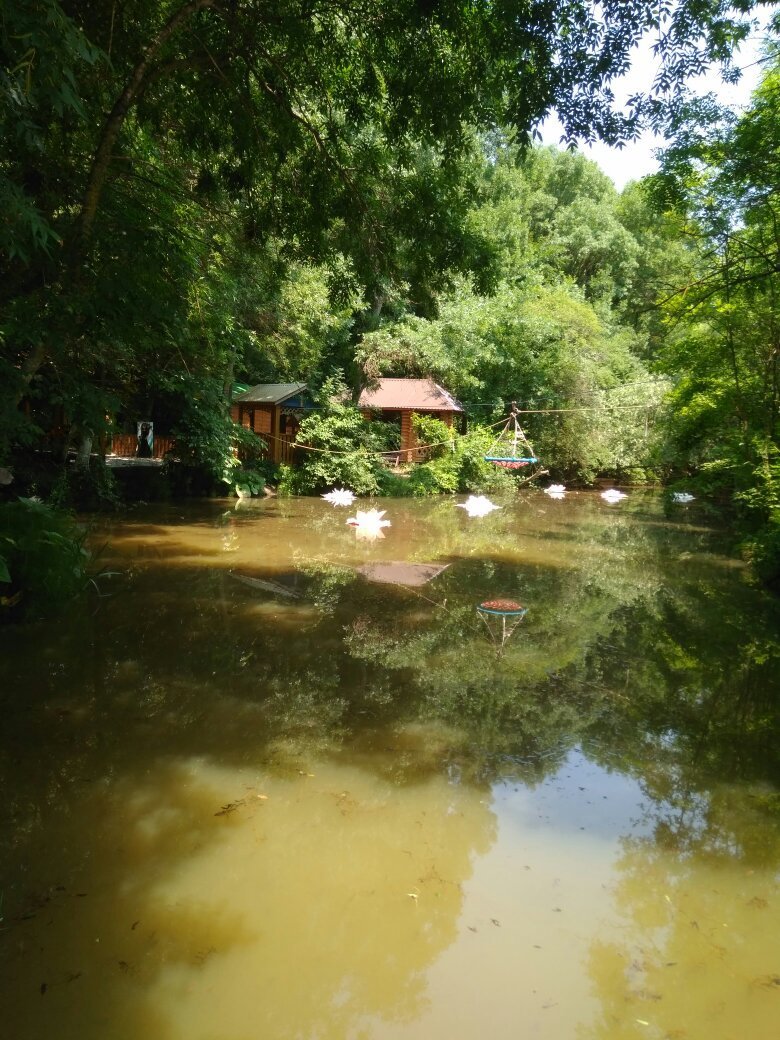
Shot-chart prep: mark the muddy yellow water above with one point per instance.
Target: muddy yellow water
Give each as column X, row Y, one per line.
column 280, row 781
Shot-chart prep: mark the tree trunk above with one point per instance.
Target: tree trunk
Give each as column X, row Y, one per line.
column 84, row 452
column 111, row 128
column 101, row 162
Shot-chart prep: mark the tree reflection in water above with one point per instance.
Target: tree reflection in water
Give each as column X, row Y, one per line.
column 127, row 729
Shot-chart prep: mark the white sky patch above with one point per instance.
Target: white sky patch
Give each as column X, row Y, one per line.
column 637, row 159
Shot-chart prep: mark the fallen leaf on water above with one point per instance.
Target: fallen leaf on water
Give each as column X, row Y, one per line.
column 643, row 1022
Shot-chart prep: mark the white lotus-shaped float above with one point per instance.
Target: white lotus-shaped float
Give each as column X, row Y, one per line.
column 339, row 497
column 555, row 490
column 368, row 523
column 478, row 505
column 612, row 495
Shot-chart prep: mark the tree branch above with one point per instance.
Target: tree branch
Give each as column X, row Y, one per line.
column 113, row 124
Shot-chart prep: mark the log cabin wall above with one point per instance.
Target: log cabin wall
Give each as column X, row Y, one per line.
column 409, row 438
column 259, row 418
column 263, row 423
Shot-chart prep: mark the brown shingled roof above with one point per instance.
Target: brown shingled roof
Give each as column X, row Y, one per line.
column 422, row 395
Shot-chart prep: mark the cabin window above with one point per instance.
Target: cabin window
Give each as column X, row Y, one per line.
column 288, row 424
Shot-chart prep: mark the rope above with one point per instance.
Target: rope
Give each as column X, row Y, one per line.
column 584, row 408
column 370, row 454
column 441, row 444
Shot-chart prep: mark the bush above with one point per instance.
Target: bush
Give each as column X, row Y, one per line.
column 474, row 473
column 92, row 489
column 461, row 467
column 43, row 561
column 439, row 477
column 341, row 448
column 253, row 476
column 434, row 432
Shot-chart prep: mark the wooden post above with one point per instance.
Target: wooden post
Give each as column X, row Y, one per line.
column 276, row 430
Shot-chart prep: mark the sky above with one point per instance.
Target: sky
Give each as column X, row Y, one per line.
column 636, row 159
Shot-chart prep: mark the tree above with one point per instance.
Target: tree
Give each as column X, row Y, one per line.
column 721, row 178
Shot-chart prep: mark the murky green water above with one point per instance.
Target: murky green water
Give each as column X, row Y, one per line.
column 266, row 791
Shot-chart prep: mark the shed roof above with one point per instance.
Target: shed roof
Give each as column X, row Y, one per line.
column 395, row 573
column 421, row 395
column 270, row 393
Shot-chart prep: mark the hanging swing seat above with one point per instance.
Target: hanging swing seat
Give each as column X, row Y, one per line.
column 502, row 608
column 509, row 462
column 501, row 618
column 511, row 449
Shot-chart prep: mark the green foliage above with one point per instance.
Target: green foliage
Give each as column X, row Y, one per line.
column 440, row 477
column 760, row 505
column 474, row 473
column 339, row 447
column 265, row 187
column 432, row 431
column 252, row 476
column 206, row 437
column 720, row 180
column 43, row 560
column 333, row 204
column 460, row 466
column 91, row 488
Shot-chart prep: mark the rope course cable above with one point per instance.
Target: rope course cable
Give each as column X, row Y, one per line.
column 438, row 444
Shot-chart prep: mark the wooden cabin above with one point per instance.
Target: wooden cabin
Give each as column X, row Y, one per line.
column 397, row 400
column 274, row 412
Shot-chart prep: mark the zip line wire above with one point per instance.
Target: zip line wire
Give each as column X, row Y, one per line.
column 442, row 444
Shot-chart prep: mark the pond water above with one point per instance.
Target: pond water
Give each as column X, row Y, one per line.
column 282, row 782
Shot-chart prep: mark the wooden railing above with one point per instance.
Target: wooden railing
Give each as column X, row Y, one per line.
column 286, row 449
column 126, row 444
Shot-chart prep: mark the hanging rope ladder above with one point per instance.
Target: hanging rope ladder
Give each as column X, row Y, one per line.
column 511, row 449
